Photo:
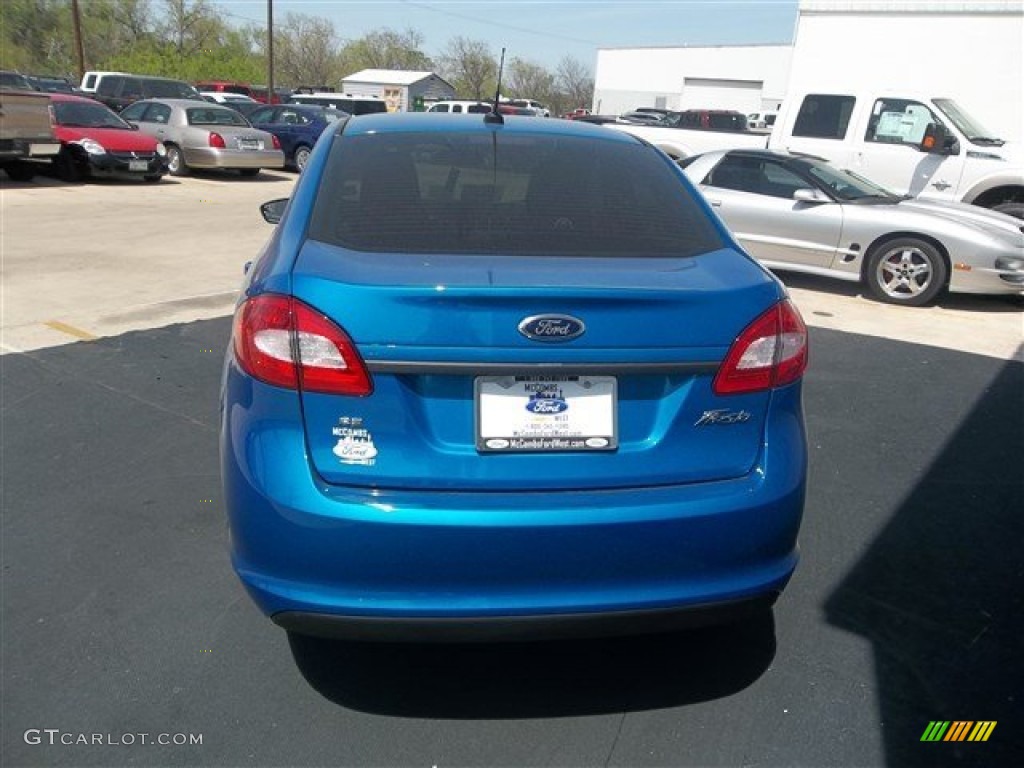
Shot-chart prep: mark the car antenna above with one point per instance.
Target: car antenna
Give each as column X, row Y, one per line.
column 494, row 116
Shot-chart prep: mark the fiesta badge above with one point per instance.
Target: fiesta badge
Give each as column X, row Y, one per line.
column 552, row 328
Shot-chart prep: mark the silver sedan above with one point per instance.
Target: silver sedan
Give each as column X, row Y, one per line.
column 199, row 134
column 799, row 213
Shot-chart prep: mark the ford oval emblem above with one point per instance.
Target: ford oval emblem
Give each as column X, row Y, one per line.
column 552, row 328
column 547, row 405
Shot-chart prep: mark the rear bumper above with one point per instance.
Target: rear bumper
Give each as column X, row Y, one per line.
column 518, row 628
column 120, row 167
column 365, row 563
column 211, row 157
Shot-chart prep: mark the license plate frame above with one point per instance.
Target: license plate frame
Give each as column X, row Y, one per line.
column 546, row 414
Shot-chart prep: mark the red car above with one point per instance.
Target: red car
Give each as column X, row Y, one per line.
column 96, row 142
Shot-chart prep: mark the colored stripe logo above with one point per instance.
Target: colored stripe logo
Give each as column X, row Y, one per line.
column 958, row 730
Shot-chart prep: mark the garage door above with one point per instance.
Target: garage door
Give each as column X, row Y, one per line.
column 741, row 95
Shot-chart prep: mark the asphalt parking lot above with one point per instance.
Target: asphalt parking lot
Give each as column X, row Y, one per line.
column 121, row 616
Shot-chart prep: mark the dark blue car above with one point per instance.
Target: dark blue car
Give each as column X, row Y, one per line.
column 297, row 127
column 507, row 378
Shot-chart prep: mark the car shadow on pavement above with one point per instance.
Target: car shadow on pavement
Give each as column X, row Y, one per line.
column 939, row 591
column 528, row 680
column 964, row 302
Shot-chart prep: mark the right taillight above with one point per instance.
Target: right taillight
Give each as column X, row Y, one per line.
column 282, row 341
column 770, row 352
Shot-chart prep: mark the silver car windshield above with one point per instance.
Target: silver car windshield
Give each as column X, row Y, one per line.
column 846, row 185
column 966, row 123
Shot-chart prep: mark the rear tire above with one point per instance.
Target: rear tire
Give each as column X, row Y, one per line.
column 301, row 158
column 176, row 161
column 67, row 166
column 906, row 271
column 249, row 171
column 20, row 171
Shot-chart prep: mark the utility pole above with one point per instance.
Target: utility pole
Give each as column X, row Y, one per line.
column 76, row 23
column 270, row 51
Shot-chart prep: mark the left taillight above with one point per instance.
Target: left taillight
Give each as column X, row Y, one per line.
column 216, row 140
column 770, row 352
column 282, row 341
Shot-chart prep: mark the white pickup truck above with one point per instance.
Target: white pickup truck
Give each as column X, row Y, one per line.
column 906, row 141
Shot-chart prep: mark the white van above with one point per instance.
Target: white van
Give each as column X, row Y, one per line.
column 91, row 80
column 354, row 104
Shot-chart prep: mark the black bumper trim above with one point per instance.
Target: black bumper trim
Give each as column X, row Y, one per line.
column 519, row 628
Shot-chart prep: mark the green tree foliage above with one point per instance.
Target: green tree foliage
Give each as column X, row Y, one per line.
column 187, row 39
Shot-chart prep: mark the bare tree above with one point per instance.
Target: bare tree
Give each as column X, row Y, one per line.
column 469, row 66
column 386, row 49
column 306, row 51
column 575, row 82
column 528, row 80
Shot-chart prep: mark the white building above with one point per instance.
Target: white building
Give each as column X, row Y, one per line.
column 747, row 78
column 968, row 50
column 403, row 90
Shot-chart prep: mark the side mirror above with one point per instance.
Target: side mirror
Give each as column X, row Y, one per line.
column 938, row 141
column 135, row 126
column 273, row 211
column 811, row 196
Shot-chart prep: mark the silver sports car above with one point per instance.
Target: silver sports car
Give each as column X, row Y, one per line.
column 799, row 213
column 199, row 134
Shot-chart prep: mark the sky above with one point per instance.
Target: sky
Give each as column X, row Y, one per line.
column 545, row 32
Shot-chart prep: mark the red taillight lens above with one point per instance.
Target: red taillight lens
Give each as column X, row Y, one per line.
column 770, row 352
column 276, row 141
column 216, row 140
column 271, row 331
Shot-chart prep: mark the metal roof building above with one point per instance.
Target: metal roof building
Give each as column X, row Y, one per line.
column 403, row 90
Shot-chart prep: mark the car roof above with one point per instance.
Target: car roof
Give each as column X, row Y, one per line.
column 73, row 97
column 410, row 122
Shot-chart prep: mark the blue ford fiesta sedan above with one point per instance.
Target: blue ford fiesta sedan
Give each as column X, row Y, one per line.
column 508, row 378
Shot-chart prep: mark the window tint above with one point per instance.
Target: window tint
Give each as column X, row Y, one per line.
column 109, row 85
column 90, row 81
column 438, row 108
column 898, row 121
column 134, row 112
column 214, row 116
column 478, row 109
column 757, row 176
column 262, row 115
column 292, row 117
column 158, row 113
column 131, row 88
column 170, row 89
column 506, row 194
column 824, row 116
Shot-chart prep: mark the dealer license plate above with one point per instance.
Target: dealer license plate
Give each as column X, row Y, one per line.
column 546, row 413
column 138, row 165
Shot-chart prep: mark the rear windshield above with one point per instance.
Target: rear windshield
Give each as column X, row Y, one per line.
column 484, row 193
column 214, row 116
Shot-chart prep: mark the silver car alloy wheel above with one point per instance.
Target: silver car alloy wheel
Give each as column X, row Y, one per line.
column 904, row 272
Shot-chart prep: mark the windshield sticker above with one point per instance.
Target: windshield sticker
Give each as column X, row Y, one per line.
column 355, row 443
